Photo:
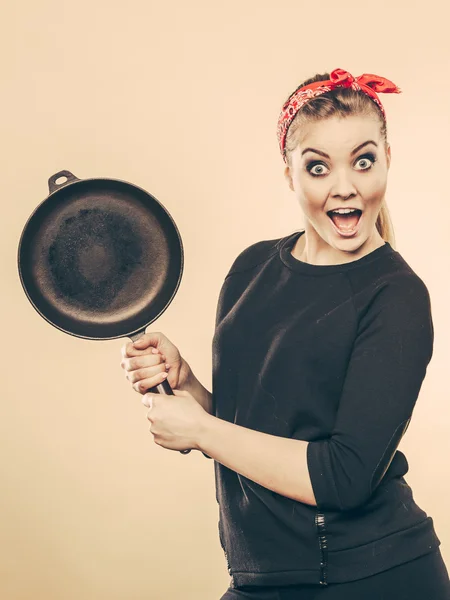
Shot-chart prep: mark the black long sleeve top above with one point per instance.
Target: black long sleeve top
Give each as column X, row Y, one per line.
column 334, row 355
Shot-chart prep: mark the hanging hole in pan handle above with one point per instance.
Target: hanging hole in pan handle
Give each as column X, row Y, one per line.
column 60, row 179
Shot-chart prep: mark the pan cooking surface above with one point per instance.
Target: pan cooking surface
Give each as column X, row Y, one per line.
column 100, row 257
column 92, row 257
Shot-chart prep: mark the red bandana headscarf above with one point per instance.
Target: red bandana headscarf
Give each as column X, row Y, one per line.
column 368, row 83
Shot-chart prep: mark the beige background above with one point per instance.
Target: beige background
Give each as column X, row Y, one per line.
column 182, row 98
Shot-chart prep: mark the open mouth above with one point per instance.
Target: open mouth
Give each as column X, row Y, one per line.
column 346, row 223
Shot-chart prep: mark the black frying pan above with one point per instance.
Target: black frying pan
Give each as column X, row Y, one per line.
column 100, row 259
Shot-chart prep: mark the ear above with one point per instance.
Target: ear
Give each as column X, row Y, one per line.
column 388, row 155
column 288, row 176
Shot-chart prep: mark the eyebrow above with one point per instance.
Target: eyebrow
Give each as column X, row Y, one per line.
column 351, row 154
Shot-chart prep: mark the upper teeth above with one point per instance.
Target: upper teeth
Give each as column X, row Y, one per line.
column 344, row 210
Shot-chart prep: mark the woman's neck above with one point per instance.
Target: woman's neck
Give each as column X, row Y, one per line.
column 314, row 250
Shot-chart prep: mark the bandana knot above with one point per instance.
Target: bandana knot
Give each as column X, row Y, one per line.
column 339, row 77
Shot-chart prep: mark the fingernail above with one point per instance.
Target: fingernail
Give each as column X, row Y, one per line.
column 163, row 375
column 167, row 366
column 155, row 350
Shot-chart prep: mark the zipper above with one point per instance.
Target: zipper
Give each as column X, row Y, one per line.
column 323, row 545
column 223, row 548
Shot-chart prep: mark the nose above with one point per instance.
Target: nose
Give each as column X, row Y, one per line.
column 343, row 186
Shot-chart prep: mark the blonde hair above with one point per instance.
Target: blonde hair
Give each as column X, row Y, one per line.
column 340, row 102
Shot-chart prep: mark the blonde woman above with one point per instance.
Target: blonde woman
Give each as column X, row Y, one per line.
column 321, row 346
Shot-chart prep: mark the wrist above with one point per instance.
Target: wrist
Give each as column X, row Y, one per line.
column 194, row 387
column 204, row 430
column 191, row 382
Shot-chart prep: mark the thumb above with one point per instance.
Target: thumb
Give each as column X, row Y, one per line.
column 148, row 339
column 141, row 343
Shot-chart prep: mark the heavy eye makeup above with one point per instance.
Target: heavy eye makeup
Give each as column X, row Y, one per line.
column 369, row 155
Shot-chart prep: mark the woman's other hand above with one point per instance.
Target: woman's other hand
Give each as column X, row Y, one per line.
column 178, row 422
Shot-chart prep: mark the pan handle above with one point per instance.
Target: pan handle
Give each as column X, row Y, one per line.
column 68, row 178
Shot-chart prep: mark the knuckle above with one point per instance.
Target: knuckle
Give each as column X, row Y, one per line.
column 138, row 362
column 127, row 364
column 128, row 349
column 132, row 375
column 131, row 364
column 139, row 374
column 143, row 386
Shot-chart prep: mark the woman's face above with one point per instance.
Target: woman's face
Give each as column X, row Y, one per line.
column 347, row 177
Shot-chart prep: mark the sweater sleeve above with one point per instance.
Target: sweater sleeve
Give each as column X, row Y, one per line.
column 388, row 363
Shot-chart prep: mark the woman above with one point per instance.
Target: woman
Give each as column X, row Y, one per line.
column 321, row 346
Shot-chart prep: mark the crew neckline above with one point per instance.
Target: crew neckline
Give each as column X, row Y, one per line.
column 303, row 267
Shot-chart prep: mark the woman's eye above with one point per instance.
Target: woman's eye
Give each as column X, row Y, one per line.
column 317, row 166
column 367, row 158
